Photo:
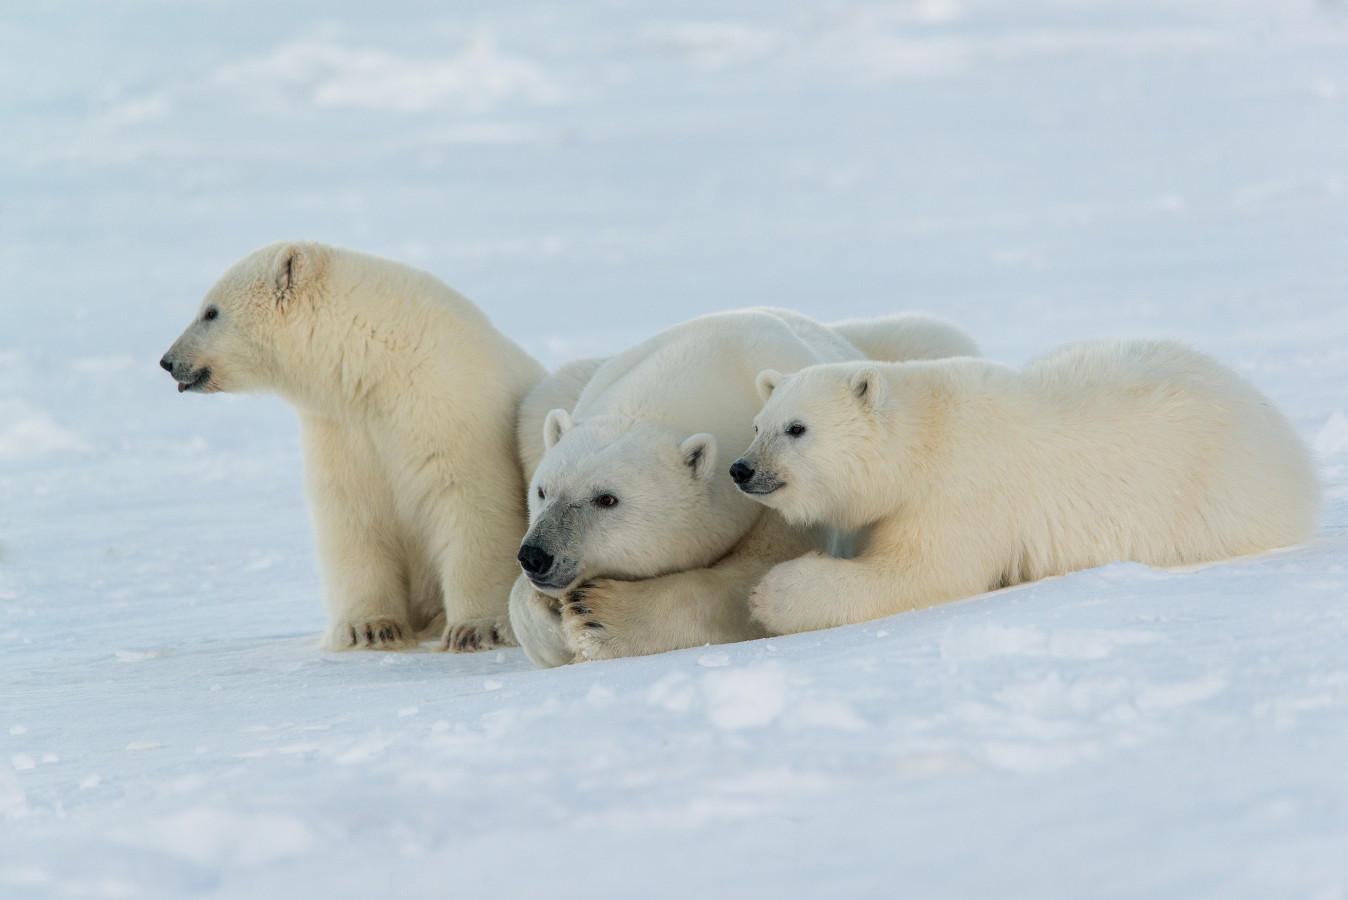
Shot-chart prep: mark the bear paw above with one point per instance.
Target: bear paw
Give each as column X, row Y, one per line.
column 477, row 634
column 586, row 624
column 381, row 633
column 791, row 599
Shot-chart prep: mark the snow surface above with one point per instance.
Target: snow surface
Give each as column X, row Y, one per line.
column 591, row 172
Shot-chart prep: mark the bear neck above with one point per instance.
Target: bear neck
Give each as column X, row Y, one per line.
column 356, row 365
column 940, row 418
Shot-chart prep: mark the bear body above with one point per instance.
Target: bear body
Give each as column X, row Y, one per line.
column 974, row 476
column 638, row 541
column 407, row 398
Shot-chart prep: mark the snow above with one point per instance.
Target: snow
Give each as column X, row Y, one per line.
column 589, row 173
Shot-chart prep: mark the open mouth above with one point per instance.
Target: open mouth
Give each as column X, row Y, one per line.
column 196, row 383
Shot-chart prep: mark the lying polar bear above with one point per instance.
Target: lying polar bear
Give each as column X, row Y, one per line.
column 634, row 524
column 407, row 398
column 975, row 476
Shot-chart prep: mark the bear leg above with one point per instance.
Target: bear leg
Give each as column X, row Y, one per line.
column 361, row 560
column 605, row 618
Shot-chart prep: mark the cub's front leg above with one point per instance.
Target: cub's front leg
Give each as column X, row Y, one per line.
column 818, row 591
column 475, row 524
column 805, row 594
column 360, row 562
column 478, row 634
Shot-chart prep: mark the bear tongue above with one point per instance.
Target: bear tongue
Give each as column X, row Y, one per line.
column 181, row 387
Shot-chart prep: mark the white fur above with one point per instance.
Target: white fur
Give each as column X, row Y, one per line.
column 905, row 336
column 407, row 398
column 975, row 476
column 670, row 564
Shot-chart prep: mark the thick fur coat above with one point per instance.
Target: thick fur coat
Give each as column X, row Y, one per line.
column 973, row 476
column 407, row 398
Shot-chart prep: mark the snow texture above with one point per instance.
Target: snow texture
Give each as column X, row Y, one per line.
column 590, row 173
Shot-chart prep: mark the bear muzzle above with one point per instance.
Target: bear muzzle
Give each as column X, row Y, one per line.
column 188, row 379
column 753, row 480
column 546, row 572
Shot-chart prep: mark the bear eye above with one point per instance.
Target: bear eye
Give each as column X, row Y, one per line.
column 795, row 429
column 540, row 493
column 211, row 313
column 606, row 500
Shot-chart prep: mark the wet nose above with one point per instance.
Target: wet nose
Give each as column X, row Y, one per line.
column 740, row 472
column 534, row 559
column 166, row 365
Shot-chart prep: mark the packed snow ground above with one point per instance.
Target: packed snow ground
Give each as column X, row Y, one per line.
column 590, row 173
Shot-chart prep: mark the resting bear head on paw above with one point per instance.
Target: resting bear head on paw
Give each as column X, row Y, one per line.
column 819, row 442
column 235, row 342
column 619, row 498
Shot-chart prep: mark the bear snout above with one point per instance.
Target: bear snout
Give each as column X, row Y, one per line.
column 752, row 480
column 188, row 378
column 534, row 560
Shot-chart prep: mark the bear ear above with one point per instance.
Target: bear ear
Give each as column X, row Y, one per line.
column 555, row 425
column 767, row 382
column 868, row 387
column 699, row 455
column 291, row 266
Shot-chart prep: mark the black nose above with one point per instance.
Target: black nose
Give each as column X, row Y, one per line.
column 534, row 559
column 740, row 472
column 166, row 365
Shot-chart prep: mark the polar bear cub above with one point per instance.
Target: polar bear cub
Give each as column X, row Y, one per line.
column 407, row 398
column 975, row 476
column 629, row 505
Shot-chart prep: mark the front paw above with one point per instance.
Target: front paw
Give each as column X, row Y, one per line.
column 477, row 634
column 784, row 602
column 587, row 621
column 380, row 633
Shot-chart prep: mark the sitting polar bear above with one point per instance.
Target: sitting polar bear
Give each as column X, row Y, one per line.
column 975, row 476
column 407, row 398
column 632, row 518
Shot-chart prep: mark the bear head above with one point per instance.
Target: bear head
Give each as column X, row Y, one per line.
column 235, row 341
column 624, row 498
column 818, row 451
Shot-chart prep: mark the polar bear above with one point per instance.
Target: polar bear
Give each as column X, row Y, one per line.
column 407, row 398
column 638, row 542
column 974, row 476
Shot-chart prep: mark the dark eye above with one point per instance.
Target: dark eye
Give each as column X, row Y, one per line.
column 795, row 429
column 540, row 493
column 211, row 313
column 606, row 500
column 755, row 429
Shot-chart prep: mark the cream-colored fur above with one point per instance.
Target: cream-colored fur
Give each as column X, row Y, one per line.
column 905, row 336
column 677, row 569
column 975, row 476
column 407, row 398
